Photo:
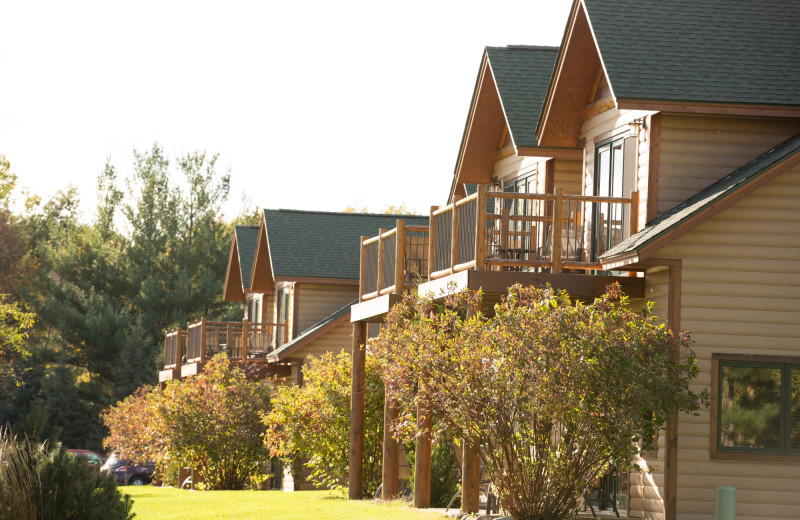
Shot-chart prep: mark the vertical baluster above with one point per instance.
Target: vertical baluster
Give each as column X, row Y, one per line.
column 245, row 339
column 454, row 238
column 400, row 257
column 431, row 241
column 362, row 270
column 480, row 228
column 555, row 243
column 202, row 340
column 381, row 231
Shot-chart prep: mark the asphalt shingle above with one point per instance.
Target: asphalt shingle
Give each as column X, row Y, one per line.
column 714, row 51
column 246, row 243
column 522, row 74
column 318, row 244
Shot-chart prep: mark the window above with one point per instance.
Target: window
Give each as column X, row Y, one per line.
column 282, row 314
column 757, row 406
column 614, row 177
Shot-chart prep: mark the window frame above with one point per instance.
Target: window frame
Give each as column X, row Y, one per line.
column 784, row 453
column 627, row 172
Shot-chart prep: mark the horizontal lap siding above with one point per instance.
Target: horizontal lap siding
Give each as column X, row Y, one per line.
column 337, row 339
column 647, row 487
column 696, row 151
column 318, row 301
column 740, row 294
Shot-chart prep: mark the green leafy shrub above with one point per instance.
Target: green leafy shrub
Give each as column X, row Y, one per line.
column 314, row 421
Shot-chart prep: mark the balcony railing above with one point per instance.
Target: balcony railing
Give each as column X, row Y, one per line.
column 386, row 268
column 527, row 231
column 238, row 340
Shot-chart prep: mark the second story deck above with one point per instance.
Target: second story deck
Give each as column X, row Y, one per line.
column 185, row 351
column 491, row 240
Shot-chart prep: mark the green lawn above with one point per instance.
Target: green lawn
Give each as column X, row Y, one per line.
column 154, row 503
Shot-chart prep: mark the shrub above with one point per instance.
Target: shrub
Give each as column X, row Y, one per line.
column 313, row 421
column 211, row 422
column 555, row 391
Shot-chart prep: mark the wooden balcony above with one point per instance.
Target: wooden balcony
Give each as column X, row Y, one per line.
column 387, row 270
column 185, row 351
column 493, row 240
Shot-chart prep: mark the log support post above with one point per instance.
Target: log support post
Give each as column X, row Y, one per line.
column 358, row 384
column 390, row 471
column 422, row 459
column 470, row 478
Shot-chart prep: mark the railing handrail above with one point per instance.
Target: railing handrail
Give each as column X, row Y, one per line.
column 548, row 248
column 237, row 343
column 372, row 268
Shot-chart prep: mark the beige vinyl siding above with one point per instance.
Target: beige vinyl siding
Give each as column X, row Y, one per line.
column 615, row 122
column 740, row 294
column 337, row 339
column 697, row 150
column 646, row 489
column 318, row 301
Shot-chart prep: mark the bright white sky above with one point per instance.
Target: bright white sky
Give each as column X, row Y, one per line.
column 312, row 105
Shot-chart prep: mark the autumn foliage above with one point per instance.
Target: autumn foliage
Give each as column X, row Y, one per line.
column 554, row 391
column 211, row 422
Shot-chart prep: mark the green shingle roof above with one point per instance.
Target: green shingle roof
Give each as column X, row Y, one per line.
column 718, row 51
column 307, row 334
column 246, row 242
column 318, row 244
column 522, row 75
column 707, row 197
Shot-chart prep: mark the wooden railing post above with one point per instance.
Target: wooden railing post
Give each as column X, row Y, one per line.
column 363, row 269
column 634, row 213
column 400, row 257
column 454, row 239
column 555, row 245
column 431, row 241
column 245, row 339
column 381, row 231
column 228, row 340
column 480, row 229
column 202, row 345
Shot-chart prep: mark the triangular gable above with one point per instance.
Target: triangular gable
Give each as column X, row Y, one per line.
column 504, row 112
column 578, row 75
column 665, row 56
column 240, row 262
column 704, row 205
column 262, row 279
column 232, row 290
column 485, row 131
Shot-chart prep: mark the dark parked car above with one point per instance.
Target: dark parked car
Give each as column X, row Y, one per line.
column 137, row 474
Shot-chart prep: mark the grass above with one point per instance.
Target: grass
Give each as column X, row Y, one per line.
column 154, row 503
